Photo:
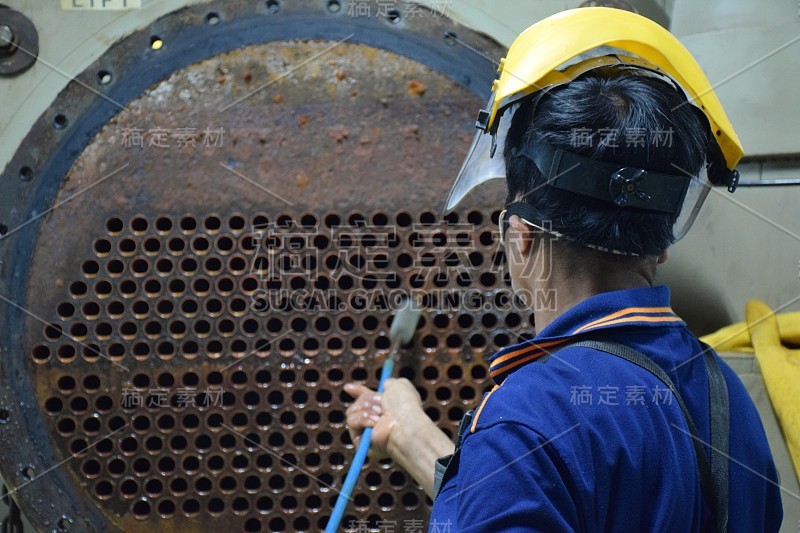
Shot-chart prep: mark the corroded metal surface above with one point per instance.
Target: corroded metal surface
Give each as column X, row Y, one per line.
column 225, row 254
column 236, row 345
column 312, row 240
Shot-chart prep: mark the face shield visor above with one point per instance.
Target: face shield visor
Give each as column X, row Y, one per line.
column 698, row 189
column 680, row 193
column 484, row 161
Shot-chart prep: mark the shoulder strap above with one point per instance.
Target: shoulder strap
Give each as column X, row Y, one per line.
column 713, row 477
column 719, row 406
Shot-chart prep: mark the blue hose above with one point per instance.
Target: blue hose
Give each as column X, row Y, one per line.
column 358, row 461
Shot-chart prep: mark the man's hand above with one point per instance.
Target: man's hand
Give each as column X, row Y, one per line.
column 401, row 429
column 399, row 403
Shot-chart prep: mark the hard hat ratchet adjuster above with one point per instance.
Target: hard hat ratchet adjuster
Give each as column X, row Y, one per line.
column 622, row 187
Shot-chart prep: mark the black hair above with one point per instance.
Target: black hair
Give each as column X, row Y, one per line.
column 594, row 116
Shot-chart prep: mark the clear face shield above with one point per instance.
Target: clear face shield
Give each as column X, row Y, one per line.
column 485, row 162
column 696, row 193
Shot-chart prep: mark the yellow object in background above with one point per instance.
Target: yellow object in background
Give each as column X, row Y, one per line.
column 736, row 337
column 767, row 335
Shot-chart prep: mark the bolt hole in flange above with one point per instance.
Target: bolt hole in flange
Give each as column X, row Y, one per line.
column 393, row 15
column 273, row 6
column 104, row 77
column 156, row 43
column 28, row 472
column 60, row 121
column 64, row 524
column 25, row 173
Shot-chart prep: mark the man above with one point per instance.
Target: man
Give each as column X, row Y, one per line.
column 614, row 417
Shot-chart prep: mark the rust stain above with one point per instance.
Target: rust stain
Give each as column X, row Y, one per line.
column 370, row 54
column 339, row 133
column 416, row 88
column 411, row 130
column 222, row 73
column 302, row 120
column 265, row 164
column 331, row 88
column 302, row 179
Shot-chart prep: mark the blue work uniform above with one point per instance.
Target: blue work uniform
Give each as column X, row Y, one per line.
column 580, row 440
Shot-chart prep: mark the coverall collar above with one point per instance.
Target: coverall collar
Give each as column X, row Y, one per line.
column 640, row 308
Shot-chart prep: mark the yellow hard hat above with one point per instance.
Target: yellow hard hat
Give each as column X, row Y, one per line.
column 532, row 66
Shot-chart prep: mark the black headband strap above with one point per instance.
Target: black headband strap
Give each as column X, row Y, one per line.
column 608, row 182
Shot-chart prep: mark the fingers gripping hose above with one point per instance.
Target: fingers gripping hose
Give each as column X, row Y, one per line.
column 401, row 332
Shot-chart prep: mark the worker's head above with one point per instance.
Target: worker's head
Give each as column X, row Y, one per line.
column 614, row 116
column 609, row 136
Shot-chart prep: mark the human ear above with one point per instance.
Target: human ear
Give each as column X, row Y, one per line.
column 522, row 242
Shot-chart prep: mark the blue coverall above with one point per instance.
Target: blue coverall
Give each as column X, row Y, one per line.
column 582, row 440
